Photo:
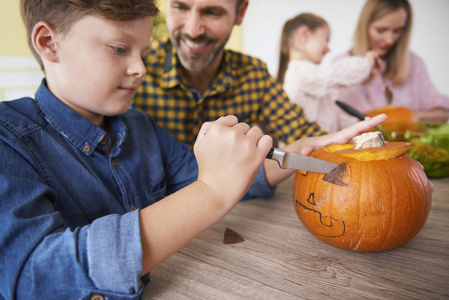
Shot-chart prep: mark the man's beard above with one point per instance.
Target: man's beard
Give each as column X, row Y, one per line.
column 188, row 59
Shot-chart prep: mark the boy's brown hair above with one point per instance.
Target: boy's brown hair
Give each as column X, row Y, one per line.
column 62, row 14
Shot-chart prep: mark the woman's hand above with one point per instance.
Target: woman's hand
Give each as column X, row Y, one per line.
column 435, row 115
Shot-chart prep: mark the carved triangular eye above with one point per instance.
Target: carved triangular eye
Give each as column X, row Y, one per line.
column 231, row 237
column 336, row 175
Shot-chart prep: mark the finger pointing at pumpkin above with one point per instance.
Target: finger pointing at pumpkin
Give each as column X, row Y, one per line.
column 345, row 135
column 306, row 145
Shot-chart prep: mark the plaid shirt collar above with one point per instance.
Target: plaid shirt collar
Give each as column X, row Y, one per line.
column 172, row 73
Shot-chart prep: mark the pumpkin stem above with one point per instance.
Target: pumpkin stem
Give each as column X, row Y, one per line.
column 368, row 140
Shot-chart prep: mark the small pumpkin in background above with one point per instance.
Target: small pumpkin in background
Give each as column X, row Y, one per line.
column 377, row 199
column 394, row 114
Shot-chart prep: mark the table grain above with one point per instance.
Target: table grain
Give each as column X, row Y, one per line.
column 280, row 259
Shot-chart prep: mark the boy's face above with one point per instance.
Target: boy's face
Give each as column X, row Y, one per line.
column 99, row 65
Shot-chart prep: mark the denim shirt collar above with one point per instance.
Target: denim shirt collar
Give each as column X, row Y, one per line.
column 79, row 131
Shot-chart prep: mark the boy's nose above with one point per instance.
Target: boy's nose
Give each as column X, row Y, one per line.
column 137, row 67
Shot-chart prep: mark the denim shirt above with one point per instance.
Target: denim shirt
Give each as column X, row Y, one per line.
column 69, row 222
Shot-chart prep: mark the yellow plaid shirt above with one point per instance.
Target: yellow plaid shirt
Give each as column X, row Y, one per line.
column 243, row 87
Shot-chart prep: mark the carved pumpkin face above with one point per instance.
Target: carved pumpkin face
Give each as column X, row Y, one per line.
column 373, row 203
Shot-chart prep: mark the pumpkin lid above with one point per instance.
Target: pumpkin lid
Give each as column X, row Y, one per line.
column 388, row 151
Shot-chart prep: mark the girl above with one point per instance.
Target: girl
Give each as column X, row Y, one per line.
column 304, row 42
column 385, row 27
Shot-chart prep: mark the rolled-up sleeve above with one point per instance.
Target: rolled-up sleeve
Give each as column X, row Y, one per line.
column 114, row 252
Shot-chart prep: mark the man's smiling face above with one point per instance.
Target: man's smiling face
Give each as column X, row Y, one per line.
column 199, row 29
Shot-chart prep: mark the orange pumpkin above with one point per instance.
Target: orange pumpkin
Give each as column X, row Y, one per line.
column 394, row 113
column 377, row 199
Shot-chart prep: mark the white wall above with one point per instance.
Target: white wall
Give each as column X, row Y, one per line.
column 262, row 26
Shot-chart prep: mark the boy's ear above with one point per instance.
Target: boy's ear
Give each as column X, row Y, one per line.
column 43, row 38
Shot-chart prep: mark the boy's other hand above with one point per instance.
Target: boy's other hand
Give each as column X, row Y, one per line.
column 229, row 155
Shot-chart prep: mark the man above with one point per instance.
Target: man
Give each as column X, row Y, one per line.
column 191, row 78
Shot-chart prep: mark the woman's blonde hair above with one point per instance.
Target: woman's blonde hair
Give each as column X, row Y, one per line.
column 398, row 58
column 312, row 21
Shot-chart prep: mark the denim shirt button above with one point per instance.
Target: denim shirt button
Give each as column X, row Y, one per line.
column 114, row 163
column 133, row 208
column 103, row 140
column 87, row 148
column 97, row 297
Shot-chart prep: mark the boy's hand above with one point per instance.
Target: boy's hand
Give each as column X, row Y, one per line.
column 229, row 155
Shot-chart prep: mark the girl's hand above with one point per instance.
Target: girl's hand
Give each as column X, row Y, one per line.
column 229, row 155
column 377, row 64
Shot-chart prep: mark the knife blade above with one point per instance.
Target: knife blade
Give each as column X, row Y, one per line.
column 288, row 160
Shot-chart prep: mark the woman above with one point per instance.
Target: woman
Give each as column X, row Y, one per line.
column 385, row 26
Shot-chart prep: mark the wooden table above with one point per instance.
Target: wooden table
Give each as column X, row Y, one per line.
column 280, row 259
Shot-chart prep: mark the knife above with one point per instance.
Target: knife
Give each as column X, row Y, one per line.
column 288, row 160
column 351, row 110
column 354, row 112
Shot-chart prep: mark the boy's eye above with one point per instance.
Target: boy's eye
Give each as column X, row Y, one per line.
column 118, row 50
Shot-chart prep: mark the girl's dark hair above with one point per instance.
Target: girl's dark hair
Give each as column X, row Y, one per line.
column 62, row 14
column 312, row 21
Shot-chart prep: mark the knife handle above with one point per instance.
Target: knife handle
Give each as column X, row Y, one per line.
column 270, row 154
column 351, row 110
column 277, row 155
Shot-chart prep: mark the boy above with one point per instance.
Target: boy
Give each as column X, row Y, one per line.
column 81, row 178
column 77, row 180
